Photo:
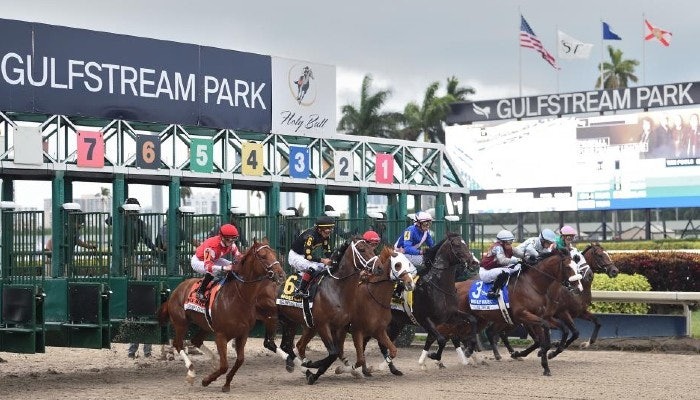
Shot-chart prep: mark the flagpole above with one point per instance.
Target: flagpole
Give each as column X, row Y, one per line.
column 644, row 55
column 556, row 40
column 520, row 57
column 600, row 66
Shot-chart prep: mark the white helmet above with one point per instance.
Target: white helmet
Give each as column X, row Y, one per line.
column 505, row 235
column 548, row 235
column 423, row 216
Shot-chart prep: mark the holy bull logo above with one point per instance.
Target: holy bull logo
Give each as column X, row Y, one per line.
column 485, row 111
column 300, row 86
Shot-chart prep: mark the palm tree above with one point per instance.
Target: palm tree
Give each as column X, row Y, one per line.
column 616, row 73
column 369, row 120
column 458, row 93
column 428, row 118
column 185, row 193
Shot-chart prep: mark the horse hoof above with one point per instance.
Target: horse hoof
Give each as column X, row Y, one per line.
column 584, row 345
column 310, row 378
column 339, row 370
column 395, row 371
column 190, row 380
column 226, row 389
column 205, row 383
column 547, row 373
column 498, row 358
column 434, row 356
column 441, row 365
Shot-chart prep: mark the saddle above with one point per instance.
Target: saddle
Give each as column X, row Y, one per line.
column 209, row 294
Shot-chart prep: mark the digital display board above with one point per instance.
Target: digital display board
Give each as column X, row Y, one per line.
column 626, row 161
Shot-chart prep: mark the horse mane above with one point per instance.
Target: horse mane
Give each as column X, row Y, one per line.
column 337, row 254
column 431, row 253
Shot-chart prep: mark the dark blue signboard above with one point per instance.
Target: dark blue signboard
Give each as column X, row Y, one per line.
column 76, row 72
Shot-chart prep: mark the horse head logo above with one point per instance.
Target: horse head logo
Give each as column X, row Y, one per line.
column 303, row 82
column 482, row 111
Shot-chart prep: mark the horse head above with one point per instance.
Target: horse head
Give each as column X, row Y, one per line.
column 402, row 270
column 599, row 260
column 260, row 262
column 560, row 266
column 355, row 255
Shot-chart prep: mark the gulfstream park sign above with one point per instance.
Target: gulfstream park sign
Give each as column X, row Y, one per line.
column 642, row 97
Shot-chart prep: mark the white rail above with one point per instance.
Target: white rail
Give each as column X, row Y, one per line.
column 684, row 299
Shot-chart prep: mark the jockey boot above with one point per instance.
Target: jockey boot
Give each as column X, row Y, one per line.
column 303, row 290
column 497, row 284
column 203, row 287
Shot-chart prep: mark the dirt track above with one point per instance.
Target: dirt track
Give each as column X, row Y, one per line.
column 591, row 374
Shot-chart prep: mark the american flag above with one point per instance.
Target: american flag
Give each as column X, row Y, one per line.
column 529, row 39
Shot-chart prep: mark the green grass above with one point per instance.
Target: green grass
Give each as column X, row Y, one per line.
column 695, row 325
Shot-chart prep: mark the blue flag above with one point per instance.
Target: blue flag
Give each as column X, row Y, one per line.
column 608, row 34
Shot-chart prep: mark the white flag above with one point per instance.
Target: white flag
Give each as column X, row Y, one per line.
column 571, row 48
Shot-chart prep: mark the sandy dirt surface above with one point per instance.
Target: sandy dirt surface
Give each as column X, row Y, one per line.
column 66, row 373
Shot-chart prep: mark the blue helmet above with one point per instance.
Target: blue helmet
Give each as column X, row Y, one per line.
column 548, row 235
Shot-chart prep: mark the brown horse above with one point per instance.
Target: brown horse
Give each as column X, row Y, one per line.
column 333, row 305
column 529, row 304
column 233, row 310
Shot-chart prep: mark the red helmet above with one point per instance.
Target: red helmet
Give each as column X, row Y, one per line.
column 372, row 237
column 228, row 231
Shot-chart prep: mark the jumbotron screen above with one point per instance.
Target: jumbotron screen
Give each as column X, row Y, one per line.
column 624, row 161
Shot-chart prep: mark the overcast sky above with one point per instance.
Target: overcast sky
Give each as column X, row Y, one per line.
column 405, row 45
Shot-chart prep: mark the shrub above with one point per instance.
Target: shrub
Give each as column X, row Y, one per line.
column 622, row 282
column 666, row 270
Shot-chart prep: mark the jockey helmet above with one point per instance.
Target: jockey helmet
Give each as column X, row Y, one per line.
column 548, row 235
column 505, row 235
column 567, row 230
column 371, row 237
column 228, row 231
column 422, row 216
column 325, row 221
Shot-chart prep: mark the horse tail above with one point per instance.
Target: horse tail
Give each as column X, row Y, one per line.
column 163, row 315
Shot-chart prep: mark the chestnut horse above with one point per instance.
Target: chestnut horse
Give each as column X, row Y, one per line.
column 333, row 304
column 569, row 306
column 529, row 304
column 233, row 310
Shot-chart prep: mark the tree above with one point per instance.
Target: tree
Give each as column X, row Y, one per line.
column 368, row 119
column 616, row 73
column 428, row 118
column 185, row 193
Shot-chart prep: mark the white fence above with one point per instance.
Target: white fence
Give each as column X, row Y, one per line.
column 684, row 299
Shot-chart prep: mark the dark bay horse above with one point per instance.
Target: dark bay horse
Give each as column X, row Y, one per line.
column 529, row 303
column 434, row 297
column 332, row 305
column 233, row 310
column 570, row 306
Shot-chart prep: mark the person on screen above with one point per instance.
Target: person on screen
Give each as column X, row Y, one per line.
column 691, row 137
column 677, row 132
column 661, row 140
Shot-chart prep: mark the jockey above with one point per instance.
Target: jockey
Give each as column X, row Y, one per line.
column 498, row 263
column 537, row 246
column 416, row 238
column 301, row 255
column 208, row 259
column 565, row 241
column 372, row 238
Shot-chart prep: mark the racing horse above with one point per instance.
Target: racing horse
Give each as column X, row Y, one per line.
column 371, row 312
column 570, row 306
column 233, row 310
column 434, row 297
column 529, row 303
column 332, row 305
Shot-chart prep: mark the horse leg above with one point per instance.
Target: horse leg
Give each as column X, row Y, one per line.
column 240, row 358
column 566, row 325
column 385, row 341
column 491, row 334
column 306, row 336
column 429, row 340
column 545, row 348
column 221, row 342
column 330, row 342
column 537, row 341
column 287, row 344
column 587, row 315
column 180, row 327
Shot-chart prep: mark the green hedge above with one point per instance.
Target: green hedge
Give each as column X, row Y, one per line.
column 622, row 282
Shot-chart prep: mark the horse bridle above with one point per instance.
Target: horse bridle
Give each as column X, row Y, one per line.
column 364, row 263
column 564, row 282
column 269, row 272
column 597, row 258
